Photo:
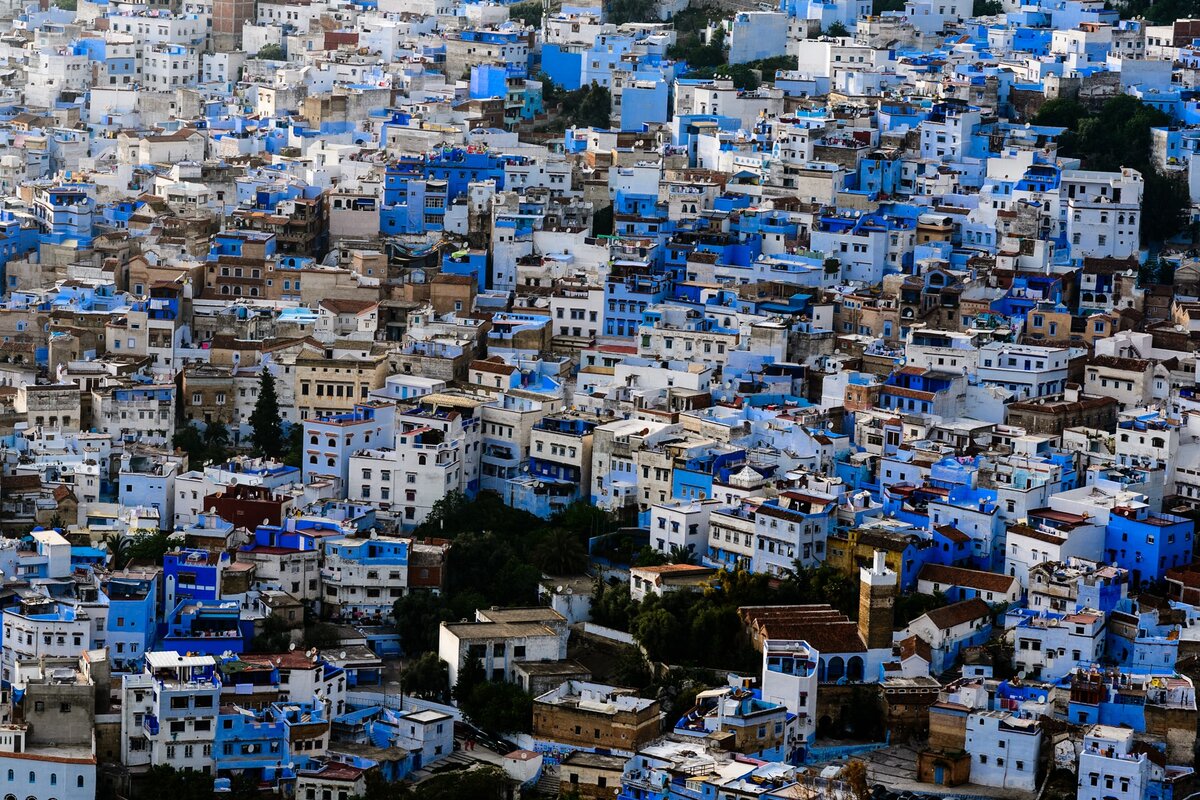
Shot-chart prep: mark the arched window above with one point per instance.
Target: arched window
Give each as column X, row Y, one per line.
column 312, row 439
column 79, row 782
column 836, row 670
column 854, row 668
column 54, row 779
column 312, row 459
column 421, row 460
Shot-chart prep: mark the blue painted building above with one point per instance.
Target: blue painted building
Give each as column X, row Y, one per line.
column 1147, row 543
column 212, row 628
column 132, row 624
column 253, row 743
column 192, row 574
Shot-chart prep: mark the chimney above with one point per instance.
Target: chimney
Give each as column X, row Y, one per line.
column 876, row 596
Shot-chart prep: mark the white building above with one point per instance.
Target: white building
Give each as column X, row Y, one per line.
column 1003, row 750
column 1050, row 647
column 1111, row 767
column 499, row 638
column 40, row 627
column 1028, row 370
column 789, row 678
column 365, row 577
column 1027, row 545
column 793, row 529
column 680, row 526
column 173, row 709
column 1103, row 213
column 577, row 310
column 168, row 67
column 43, row 772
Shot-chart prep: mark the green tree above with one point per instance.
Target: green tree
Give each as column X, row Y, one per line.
column 478, row 783
column 118, row 549
column 271, row 52
column 529, row 14
column 1118, row 135
column 631, row 669
column 242, row 786
column 417, row 615
column 854, row 774
column 612, row 606
column 552, row 93
column 322, row 636
column 216, row 443
column 559, row 552
column 1061, row 112
column 427, row 677
column 910, row 605
column 276, row 636
column 191, row 442
column 698, row 54
column 293, row 456
column 379, row 788
column 620, row 12
column 498, row 707
column 658, row 631
column 650, row 557
column 1168, row 197
column 595, row 109
column 986, row 8
column 585, row 519
column 470, row 675
column 165, row 781
column 266, row 426
column 148, row 548
column 837, row 29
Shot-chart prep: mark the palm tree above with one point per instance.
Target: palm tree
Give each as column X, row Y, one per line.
column 118, row 549
column 682, row 555
column 559, row 552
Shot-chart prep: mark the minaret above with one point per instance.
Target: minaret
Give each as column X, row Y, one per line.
column 876, row 594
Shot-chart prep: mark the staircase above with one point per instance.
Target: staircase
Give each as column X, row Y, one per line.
column 549, row 782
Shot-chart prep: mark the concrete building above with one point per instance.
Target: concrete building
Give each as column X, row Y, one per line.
column 591, row 716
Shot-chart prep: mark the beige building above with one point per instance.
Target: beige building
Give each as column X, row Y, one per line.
column 332, row 379
column 596, row 716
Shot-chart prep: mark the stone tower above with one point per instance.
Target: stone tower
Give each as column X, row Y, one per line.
column 876, row 595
